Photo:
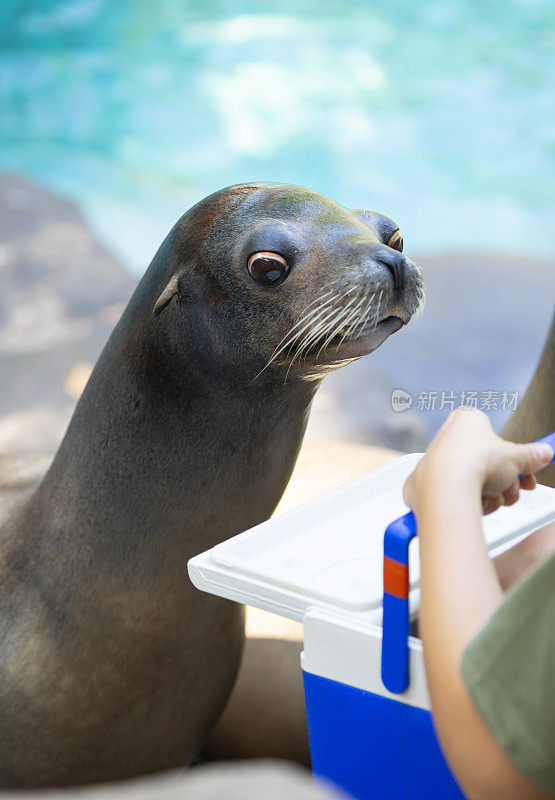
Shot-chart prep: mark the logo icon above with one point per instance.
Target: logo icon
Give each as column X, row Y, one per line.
column 401, row 400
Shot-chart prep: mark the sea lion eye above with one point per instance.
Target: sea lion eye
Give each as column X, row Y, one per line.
column 396, row 241
column 268, row 268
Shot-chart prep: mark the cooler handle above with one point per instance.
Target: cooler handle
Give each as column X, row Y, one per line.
column 396, row 614
column 396, row 585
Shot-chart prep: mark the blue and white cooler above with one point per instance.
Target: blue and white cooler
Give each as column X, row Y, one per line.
column 367, row 702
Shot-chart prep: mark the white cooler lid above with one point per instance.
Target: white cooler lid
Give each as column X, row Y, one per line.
column 328, row 553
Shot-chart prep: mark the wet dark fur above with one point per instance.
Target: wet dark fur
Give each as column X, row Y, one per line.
column 111, row 663
column 535, row 415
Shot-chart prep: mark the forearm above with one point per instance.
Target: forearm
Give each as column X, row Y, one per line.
column 460, row 589
column 514, row 563
column 460, row 593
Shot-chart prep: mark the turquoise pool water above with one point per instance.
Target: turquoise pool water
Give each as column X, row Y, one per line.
column 438, row 113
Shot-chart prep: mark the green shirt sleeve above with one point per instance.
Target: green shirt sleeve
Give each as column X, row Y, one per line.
column 509, row 671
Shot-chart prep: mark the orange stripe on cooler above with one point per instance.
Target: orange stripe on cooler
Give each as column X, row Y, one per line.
column 395, row 578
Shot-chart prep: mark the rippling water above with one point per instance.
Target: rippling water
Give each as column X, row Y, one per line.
column 438, row 113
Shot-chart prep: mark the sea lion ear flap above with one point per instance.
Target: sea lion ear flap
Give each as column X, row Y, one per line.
column 172, row 289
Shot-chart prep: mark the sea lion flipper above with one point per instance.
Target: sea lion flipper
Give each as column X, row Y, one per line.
column 173, row 288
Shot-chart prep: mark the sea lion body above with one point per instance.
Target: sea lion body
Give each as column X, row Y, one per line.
column 111, row 663
column 535, row 415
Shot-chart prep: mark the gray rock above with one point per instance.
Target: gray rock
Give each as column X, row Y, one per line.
column 61, row 293
column 247, row 780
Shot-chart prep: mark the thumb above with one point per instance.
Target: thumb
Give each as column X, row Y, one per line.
column 532, row 457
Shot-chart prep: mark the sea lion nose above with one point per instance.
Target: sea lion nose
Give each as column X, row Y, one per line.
column 393, row 260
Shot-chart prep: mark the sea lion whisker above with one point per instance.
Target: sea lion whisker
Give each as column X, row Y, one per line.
column 310, row 327
column 320, row 297
column 315, row 333
column 329, row 332
column 366, row 313
column 325, row 286
column 345, row 314
column 331, row 321
column 310, row 320
column 349, row 321
column 311, row 312
column 318, row 300
column 334, row 324
column 421, row 303
column 340, row 324
column 377, row 314
column 291, row 334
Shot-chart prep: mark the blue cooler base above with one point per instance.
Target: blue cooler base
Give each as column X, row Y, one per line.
column 372, row 747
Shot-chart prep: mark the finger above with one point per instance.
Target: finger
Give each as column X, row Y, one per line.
column 510, row 495
column 408, row 492
column 491, row 504
column 532, row 457
column 528, row 482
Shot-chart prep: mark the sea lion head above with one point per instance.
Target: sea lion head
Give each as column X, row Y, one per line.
column 278, row 278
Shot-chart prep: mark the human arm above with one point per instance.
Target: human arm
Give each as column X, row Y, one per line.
column 517, row 561
column 467, row 470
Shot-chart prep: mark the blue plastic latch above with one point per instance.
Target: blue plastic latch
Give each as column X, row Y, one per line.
column 396, row 613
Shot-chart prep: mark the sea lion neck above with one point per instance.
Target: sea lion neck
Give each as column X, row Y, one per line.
column 181, row 465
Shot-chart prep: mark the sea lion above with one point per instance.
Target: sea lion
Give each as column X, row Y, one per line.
column 111, row 663
column 535, row 414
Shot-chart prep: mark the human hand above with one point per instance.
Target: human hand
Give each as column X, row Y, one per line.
column 468, row 452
